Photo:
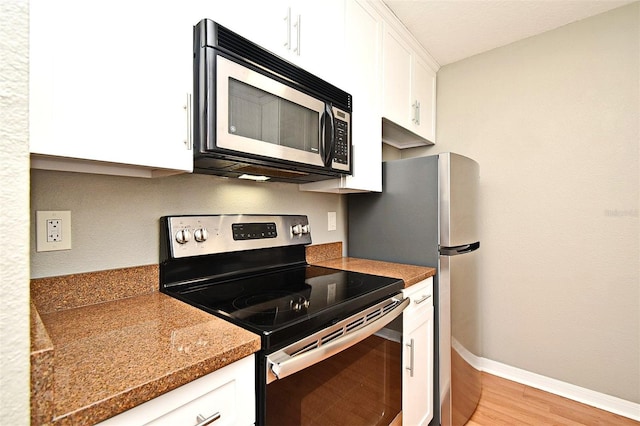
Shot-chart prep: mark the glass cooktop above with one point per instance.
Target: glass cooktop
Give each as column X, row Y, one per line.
column 283, row 305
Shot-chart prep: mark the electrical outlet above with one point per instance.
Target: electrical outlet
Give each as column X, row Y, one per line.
column 53, row 230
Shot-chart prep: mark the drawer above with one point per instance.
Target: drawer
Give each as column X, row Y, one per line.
column 228, row 392
column 421, row 295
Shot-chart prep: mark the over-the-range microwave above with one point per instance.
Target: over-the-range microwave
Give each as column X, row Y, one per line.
column 259, row 116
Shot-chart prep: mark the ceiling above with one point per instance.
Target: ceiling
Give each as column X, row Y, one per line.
column 456, row 29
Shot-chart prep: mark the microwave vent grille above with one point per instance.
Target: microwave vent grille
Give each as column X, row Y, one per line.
column 244, row 48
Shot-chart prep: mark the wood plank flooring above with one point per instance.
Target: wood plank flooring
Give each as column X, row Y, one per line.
column 504, row 402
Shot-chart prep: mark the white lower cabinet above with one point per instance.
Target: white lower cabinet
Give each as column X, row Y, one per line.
column 227, row 394
column 417, row 341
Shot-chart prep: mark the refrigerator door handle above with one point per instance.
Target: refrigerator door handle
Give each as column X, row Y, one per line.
column 453, row 251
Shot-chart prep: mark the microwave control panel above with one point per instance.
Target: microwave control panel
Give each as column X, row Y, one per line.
column 341, row 150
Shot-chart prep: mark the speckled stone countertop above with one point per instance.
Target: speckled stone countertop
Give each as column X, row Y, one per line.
column 104, row 342
column 93, row 361
column 330, row 256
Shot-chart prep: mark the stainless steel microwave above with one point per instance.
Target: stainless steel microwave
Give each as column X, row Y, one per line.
column 258, row 116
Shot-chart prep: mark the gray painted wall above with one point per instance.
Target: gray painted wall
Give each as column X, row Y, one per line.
column 553, row 121
column 114, row 220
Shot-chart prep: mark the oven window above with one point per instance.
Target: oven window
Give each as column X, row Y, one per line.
column 260, row 115
column 361, row 385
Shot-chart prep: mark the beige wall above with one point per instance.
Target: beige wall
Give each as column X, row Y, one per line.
column 14, row 208
column 553, row 121
column 115, row 219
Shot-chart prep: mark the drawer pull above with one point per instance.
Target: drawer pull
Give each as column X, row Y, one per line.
column 419, row 301
column 204, row 422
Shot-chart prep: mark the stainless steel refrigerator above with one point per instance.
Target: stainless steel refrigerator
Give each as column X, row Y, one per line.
column 427, row 215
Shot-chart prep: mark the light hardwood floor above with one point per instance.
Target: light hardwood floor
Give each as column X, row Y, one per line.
column 504, row 402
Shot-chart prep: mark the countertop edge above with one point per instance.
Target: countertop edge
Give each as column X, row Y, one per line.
column 42, row 360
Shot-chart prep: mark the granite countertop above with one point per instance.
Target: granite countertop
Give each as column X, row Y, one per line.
column 106, row 341
column 93, row 361
column 330, row 256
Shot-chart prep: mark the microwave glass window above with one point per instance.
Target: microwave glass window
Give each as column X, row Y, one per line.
column 259, row 115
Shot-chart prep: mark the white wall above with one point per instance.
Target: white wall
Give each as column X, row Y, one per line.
column 14, row 208
column 553, row 121
column 114, row 220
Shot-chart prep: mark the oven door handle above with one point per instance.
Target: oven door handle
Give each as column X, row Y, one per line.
column 297, row 357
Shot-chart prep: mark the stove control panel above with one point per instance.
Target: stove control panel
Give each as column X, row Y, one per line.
column 212, row 234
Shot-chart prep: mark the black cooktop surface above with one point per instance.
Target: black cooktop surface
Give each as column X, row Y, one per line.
column 286, row 304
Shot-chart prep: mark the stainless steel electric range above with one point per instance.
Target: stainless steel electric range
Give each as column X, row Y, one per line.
column 313, row 321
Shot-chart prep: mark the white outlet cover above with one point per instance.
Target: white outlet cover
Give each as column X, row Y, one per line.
column 331, row 221
column 64, row 238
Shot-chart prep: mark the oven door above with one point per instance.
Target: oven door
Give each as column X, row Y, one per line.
column 347, row 373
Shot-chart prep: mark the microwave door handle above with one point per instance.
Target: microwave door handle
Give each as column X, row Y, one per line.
column 328, row 139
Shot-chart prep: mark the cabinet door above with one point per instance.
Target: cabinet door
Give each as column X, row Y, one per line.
column 409, row 92
column 397, row 97
column 424, row 94
column 306, row 33
column 417, row 385
column 362, row 45
column 265, row 23
column 417, row 339
column 317, row 37
column 107, row 85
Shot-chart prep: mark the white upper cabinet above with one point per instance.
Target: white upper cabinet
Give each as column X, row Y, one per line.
column 393, row 83
column 109, row 86
column 110, row 81
column 409, row 92
column 306, row 33
column 424, row 89
column 362, row 78
column 397, row 78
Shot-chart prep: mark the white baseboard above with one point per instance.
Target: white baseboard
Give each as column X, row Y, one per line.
column 586, row 396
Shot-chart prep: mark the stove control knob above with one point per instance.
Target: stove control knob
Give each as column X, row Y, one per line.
column 305, row 229
column 296, row 229
column 201, row 235
column 183, row 236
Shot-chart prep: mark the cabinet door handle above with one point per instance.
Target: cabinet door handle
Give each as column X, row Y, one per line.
column 416, row 111
column 287, row 21
column 422, row 299
column 189, row 141
column 411, row 356
column 297, row 25
column 207, row 421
